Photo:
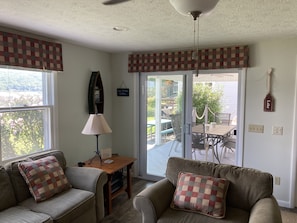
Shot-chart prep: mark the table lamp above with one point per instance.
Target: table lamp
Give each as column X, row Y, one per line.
column 96, row 125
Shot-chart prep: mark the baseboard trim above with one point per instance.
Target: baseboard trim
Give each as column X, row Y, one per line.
column 284, row 204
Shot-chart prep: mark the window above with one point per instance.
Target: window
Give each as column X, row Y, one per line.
column 26, row 110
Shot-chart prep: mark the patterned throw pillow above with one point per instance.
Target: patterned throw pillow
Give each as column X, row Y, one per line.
column 45, row 177
column 202, row 194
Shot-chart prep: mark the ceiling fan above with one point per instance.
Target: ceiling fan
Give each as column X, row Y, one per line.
column 113, row 2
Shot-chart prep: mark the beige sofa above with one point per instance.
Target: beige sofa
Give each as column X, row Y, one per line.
column 249, row 196
column 83, row 202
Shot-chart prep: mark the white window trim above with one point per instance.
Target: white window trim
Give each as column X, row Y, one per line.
column 52, row 105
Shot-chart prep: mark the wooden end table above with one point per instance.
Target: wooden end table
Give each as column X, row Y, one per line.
column 119, row 163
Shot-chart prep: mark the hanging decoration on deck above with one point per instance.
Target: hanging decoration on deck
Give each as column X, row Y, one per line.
column 269, row 100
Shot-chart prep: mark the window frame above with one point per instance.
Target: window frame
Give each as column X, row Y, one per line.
column 49, row 83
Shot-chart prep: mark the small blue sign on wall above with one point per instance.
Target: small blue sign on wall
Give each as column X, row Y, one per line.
column 122, row 91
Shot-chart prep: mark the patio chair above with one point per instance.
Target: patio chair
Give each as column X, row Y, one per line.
column 229, row 143
column 200, row 142
column 177, row 130
column 223, row 118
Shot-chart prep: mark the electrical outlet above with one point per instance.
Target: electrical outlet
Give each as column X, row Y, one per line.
column 256, row 128
column 277, row 130
column 277, row 180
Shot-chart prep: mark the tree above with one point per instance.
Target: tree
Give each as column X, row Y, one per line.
column 22, row 124
column 151, row 103
column 204, row 95
column 22, row 131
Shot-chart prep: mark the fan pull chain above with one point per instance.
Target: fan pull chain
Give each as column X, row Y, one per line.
column 195, row 54
column 197, row 49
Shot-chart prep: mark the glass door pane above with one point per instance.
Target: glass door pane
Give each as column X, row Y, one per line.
column 165, row 121
column 215, row 117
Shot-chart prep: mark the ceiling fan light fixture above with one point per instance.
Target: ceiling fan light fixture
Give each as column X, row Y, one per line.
column 195, row 8
column 186, row 7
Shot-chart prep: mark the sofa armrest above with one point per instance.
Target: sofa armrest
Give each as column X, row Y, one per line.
column 154, row 200
column 90, row 179
column 266, row 210
column 86, row 178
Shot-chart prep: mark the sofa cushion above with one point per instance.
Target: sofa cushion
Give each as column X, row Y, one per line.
column 64, row 207
column 7, row 197
column 21, row 189
column 22, row 214
column 176, row 165
column 45, row 177
column 233, row 215
column 202, row 194
column 247, row 185
column 56, row 153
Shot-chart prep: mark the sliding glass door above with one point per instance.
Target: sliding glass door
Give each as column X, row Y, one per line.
column 165, row 130
column 173, row 106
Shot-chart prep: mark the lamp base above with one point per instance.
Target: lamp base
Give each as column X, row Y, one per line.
column 97, row 156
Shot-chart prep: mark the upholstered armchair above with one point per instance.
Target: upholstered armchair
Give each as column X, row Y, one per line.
column 239, row 195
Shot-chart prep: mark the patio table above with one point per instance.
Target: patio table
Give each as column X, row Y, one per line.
column 216, row 134
column 164, row 125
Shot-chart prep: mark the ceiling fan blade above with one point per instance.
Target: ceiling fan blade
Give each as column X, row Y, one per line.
column 113, row 2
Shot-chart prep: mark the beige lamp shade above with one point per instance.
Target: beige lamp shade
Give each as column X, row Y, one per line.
column 96, row 125
column 185, row 7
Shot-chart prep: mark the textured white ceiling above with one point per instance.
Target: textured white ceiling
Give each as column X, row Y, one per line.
column 153, row 24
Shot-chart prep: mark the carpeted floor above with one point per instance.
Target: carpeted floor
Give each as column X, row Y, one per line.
column 123, row 211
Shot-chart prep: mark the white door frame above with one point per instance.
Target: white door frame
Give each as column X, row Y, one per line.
column 141, row 91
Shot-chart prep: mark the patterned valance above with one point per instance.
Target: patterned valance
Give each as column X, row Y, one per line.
column 18, row 50
column 219, row 58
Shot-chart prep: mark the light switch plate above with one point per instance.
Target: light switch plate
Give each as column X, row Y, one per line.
column 277, row 130
column 277, row 180
column 256, row 128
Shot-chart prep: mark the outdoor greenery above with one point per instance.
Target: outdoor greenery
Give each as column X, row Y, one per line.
column 151, row 103
column 21, row 133
column 22, row 128
column 204, row 95
column 20, row 81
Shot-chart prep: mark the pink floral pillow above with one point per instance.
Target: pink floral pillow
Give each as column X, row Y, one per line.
column 202, row 194
column 45, row 177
